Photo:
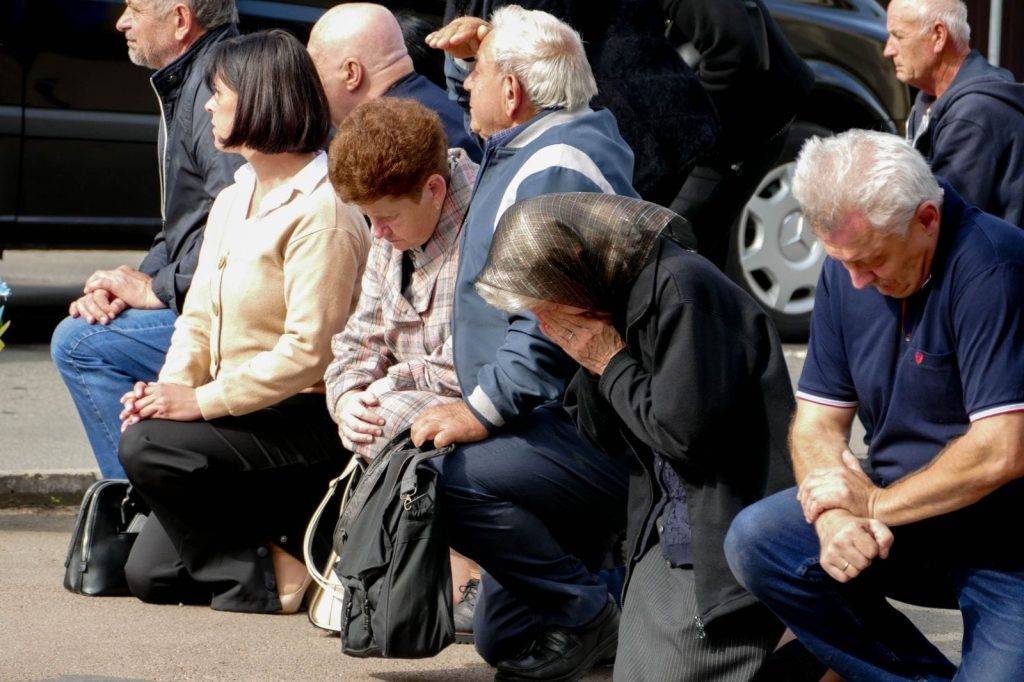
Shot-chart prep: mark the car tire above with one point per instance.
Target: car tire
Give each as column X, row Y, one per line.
column 772, row 254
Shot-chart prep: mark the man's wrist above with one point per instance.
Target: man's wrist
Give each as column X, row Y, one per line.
column 876, row 504
column 830, row 516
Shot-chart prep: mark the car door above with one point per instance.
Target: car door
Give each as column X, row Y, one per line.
column 11, row 110
column 78, row 120
column 88, row 161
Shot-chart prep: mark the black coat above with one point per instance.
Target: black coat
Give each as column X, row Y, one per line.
column 661, row 108
column 703, row 383
column 192, row 170
column 756, row 80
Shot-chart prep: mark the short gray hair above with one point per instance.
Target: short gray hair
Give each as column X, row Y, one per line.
column 950, row 13
column 545, row 54
column 209, row 13
column 877, row 175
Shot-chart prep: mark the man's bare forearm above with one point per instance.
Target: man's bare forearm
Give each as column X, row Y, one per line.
column 968, row 469
column 816, row 444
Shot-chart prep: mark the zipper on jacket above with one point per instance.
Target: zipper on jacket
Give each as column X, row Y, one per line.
column 163, row 153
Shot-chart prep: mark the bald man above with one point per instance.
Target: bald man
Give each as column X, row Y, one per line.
column 968, row 119
column 360, row 55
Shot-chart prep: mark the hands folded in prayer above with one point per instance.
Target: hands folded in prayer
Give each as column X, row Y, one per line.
column 163, row 401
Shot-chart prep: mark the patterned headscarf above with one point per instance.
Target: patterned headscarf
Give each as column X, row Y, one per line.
column 581, row 249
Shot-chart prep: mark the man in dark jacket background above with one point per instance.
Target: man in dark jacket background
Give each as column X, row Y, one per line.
column 120, row 329
column 757, row 83
column 661, row 108
column 360, row 53
column 968, row 119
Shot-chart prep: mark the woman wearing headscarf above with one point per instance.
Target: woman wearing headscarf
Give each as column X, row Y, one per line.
column 681, row 369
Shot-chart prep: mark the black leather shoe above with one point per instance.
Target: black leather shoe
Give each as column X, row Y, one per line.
column 464, row 612
column 560, row 654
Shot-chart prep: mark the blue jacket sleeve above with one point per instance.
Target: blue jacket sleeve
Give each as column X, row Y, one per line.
column 528, row 370
column 455, row 73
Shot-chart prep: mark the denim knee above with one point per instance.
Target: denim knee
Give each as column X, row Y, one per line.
column 66, row 338
column 746, row 541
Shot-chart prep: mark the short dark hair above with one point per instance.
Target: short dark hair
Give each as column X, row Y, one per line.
column 281, row 103
column 387, row 147
column 425, row 60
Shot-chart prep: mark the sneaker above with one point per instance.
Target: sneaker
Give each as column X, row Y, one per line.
column 464, row 611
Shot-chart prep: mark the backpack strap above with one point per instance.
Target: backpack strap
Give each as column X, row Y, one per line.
column 408, row 487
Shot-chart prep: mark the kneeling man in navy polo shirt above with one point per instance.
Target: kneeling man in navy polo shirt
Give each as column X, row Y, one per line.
column 919, row 327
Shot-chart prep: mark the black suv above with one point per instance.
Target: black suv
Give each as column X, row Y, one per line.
column 78, row 128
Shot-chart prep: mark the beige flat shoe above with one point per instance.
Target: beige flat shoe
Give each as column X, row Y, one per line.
column 292, row 602
column 286, row 564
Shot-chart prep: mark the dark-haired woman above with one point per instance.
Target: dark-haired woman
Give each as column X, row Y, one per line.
column 682, row 369
column 233, row 444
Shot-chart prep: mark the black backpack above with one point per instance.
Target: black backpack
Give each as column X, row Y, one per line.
column 393, row 559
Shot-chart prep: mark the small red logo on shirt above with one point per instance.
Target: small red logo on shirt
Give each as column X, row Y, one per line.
column 919, row 357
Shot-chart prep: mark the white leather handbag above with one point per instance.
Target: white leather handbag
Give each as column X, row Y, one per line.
column 325, row 597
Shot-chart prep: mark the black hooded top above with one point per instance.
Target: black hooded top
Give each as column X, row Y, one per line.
column 974, row 137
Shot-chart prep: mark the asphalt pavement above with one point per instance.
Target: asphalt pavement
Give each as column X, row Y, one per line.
column 48, row 633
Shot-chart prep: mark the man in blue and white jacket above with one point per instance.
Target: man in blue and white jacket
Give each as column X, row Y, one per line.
column 527, row 497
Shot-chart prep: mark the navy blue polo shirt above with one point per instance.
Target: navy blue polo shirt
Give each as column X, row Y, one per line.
column 921, row 369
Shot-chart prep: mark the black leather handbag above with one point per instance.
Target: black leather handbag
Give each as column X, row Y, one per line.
column 108, row 522
column 393, row 559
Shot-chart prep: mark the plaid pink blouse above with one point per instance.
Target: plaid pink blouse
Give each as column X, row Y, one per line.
column 400, row 349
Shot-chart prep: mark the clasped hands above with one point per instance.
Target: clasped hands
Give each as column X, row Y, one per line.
column 159, row 400
column 839, row 502
column 361, row 424
column 108, row 293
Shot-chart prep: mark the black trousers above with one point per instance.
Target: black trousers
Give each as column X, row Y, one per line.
column 718, row 188
column 220, row 491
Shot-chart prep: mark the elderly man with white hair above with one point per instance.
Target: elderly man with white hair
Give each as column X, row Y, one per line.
column 968, row 119
column 533, row 503
column 918, row 328
column 360, row 54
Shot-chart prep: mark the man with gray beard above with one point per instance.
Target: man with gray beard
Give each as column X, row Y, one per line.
column 120, row 329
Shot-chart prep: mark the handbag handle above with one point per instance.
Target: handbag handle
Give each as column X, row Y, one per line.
column 307, row 541
column 408, row 488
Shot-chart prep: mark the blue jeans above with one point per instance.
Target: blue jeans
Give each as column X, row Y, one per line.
column 851, row 627
column 100, row 363
column 537, row 507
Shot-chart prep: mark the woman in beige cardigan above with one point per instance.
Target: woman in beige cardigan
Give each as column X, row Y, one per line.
column 233, row 444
